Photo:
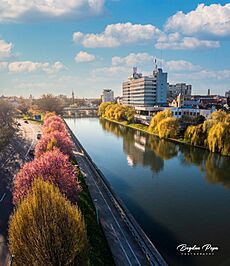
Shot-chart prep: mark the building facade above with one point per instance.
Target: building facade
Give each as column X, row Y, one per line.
column 145, row 91
column 180, row 88
column 107, row 96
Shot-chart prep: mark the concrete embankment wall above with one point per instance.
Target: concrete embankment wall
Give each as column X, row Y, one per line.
column 144, row 242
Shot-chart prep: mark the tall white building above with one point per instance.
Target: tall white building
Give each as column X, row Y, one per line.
column 107, row 96
column 145, row 91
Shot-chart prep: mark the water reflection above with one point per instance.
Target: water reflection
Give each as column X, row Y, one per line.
column 148, row 150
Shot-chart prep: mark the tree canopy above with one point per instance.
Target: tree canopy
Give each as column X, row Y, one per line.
column 117, row 112
column 7, row 123
column 50, row 103
column 47, row 230
column 52, row 166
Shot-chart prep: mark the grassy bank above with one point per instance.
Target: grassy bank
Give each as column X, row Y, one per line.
column 100, row 254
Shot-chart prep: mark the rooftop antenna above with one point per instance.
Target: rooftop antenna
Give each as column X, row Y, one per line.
column 161, row 59
column 155, row 63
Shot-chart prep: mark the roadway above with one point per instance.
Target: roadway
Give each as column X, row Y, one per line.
column 12, row 158
column 123, row 245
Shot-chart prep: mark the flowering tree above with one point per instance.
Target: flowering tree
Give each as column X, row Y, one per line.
column 47, row 230
column 50, row 119
column 54, row 167
column 49, row 114
column 54, row 139
column 54, row 126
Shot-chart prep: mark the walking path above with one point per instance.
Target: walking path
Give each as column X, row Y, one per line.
column 128, row 243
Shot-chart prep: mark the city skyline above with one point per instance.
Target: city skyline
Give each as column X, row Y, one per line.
column 86, row 46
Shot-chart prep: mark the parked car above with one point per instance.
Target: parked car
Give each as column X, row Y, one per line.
column 39, row 135
column 26, row 122
column 18, row 124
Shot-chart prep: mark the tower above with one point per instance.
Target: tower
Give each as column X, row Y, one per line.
column 73, row 97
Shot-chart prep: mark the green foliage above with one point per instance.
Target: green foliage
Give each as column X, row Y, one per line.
column 102, row 107
column 168, row 128
column 99, row 252
column 195, row 135
column 117, row 112
column 157, row 119
column 47, row 230
column 213, row 133
column 218, row 116
column 219, row 138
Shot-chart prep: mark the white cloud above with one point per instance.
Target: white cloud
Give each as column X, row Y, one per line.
column 5, row 49
column 204, row 20
column 147, row 60
column 3, row 66
column 118, row 34
column 84, row 57
column 112, row 71
column 132, row 59
column 54, row 68
column 175, row 41
column 181, row 66
column 18, row 10
column 206, row 75
column 29, row 67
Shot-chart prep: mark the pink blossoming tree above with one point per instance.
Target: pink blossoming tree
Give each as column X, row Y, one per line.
column 53, row 139
column 54, row 167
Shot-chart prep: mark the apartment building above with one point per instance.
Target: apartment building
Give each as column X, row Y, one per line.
column 107, row 96
column 145, row 91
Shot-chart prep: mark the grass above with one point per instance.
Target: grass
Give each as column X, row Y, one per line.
column 100, row 254
column 31, row 118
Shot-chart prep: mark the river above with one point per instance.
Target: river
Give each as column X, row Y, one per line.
column 177, row 193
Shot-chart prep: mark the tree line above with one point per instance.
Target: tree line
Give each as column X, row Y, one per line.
column 116, row 112
column 47, row 228
column 7, row 123
column 212, row 134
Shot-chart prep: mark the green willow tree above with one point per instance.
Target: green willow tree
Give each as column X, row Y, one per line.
column 219, row 138
column 153, row 127
column 213, row 133
column 47, row 230
column 168, row 128
column 116, row 112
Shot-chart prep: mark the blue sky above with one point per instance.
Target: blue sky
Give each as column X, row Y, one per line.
column 88, row 45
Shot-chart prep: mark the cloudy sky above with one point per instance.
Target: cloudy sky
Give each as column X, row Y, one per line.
column 86, row 45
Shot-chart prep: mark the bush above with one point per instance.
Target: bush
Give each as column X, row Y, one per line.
column 47, row 230
column 54, row 167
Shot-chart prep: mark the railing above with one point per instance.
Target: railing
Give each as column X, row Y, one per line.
column 144, row 242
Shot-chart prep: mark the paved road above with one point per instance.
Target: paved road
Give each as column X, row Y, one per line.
column 124, row 247
column 11, row 159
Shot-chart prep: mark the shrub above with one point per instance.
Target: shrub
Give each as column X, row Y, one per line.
column 54, row 167
column 47, row 230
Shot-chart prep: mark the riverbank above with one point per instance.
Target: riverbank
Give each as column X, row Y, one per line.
column 144, row 129
column 100, row 253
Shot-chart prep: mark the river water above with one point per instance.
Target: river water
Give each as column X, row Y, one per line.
column 177, row 193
